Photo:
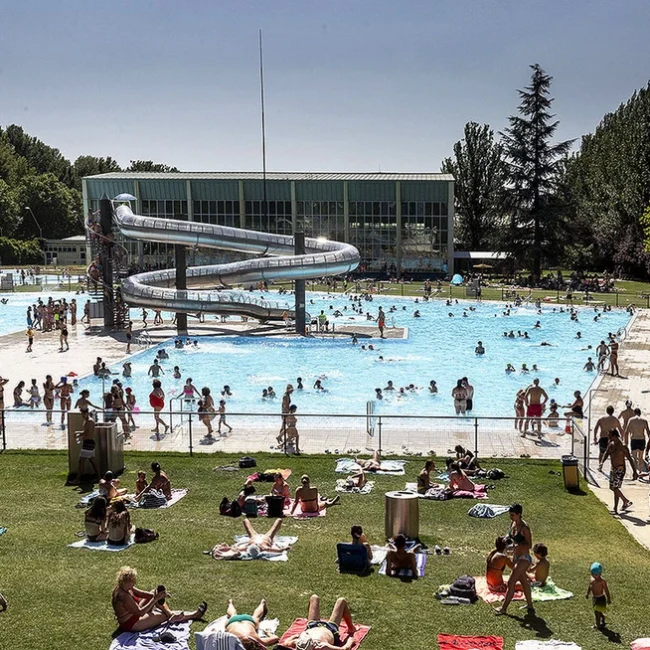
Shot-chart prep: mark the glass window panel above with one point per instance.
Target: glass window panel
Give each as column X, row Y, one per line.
column 235, row 207
column 436, row 209
column 428, row 208
column 332, row 208
column 213, row 207
column 353, row 209
column 420, row 208
column 392, row 208
column 249, row 207
column 205, row 207
column 221, row 207
column 368, row 207
column 412, row 208
column 169, row 207
column 443, row 208
column 197, row 207
column 339, row 208
column 272, row 207
column 177, row 207
column 184, row 207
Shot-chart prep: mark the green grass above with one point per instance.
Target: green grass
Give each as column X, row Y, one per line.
column 59, row 598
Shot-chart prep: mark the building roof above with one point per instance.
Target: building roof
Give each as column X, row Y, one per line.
column 75, row 238
column 274, row 176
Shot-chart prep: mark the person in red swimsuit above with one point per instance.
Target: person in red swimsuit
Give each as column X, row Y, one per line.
column 157, row 403
column 535, row 399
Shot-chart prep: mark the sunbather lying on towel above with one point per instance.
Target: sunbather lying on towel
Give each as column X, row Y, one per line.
column 497, row 561
column 256, row 543
column 399, row 558
column 246, row 627
column 138, row 610
column 357, row 481
column 321, row 634
column 308, row 498
column 373, row 464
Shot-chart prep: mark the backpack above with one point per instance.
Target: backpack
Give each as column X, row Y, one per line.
column 464, row 587
column 144, row 535
column 153, row 499
column 229, row 508
column 250, row 506
column 496, row 474
column 247, row 461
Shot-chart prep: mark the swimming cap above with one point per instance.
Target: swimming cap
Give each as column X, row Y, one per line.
column 596, row 568
column 254, row 550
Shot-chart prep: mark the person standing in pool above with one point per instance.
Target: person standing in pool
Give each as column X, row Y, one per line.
column 459, row 393
column 155, row 369
column 470, row 394
column 535, row 400
column 381, row 322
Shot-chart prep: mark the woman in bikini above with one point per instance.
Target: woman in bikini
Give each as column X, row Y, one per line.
column 137, row 610
column 308, row 498
column 206, row 409
column 520, row 410
column 575, row 408
column 280, row 488
column 95, row 520
column 189, row 390
column 521, row 559
column 119, row 408
column 458, row 480
column 424, row 477
column 496, row 563
column 66, row 401
column 246, row 626
column 157, row 403
column 48, row 398
column 18, row 395
column 119, row 524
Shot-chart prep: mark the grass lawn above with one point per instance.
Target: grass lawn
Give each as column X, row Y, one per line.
column 59, row 598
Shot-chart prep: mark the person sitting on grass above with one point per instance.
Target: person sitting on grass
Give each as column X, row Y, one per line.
column 467, row 460
column 424, row 477
column 280, row 488
column 95, row 520
column 109, row 487
column 119, row 524
column 160, row 481
column 308, row 498
column 540, row 570
column 359, row 537
column 399, row 558
column 246, row 627
column 323, row 634
column 140, row 485
column 458, row 479
column 497, row 561
column 137, row 610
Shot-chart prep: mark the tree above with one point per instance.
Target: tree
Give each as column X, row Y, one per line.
column 91, row 165
column 55, row 207
column 9, row 210
column 479, row 190
column 149, row 166
column 534, row 167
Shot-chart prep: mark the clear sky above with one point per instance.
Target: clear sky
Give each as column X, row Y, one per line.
column 351, row 85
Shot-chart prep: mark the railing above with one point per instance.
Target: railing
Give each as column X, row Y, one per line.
column 581, row 449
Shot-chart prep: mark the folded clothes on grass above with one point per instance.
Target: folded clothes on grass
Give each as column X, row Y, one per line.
column 342, row 486
column 350, row 466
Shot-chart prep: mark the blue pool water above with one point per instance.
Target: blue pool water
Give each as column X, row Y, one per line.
column 438, row 347
column 13, row 314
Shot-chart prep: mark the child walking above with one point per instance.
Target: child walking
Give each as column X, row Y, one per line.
column 222, row 417
column 599, row 593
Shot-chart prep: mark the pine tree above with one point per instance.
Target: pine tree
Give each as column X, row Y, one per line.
column 535, row 166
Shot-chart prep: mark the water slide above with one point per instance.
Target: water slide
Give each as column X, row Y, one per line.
column 276, row 261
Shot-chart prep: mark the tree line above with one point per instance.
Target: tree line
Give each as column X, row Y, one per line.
column 522, row 193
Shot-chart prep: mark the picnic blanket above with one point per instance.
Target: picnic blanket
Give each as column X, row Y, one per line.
column 215, row 637
column 342, row 487
column 487, row 510
column 300, row 624
column 281, row 541
column 421, row 559
column 101, row 546
column 550, row 591
column 453, row 642
column 177, row 495
column 147, row 640
column 533, row 644
column 350, row 466
column 438, row 492
column 3, row 530
column 299, row 514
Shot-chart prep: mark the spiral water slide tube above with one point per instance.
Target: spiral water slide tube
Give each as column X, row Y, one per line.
column 276, row 261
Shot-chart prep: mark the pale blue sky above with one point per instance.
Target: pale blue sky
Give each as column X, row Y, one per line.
column 350, row 86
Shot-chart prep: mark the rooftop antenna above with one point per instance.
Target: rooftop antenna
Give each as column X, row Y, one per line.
column 264, row 203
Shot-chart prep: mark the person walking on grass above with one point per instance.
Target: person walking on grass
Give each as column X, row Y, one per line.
column 618, row 453
column 599, row 592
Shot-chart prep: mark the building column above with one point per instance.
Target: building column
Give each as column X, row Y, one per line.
column 299, row 249
column 346, row 212
column 398, row 220
column 294, row 208
column 84, row 216
column 138, row 210
column 180, row 265
column 450, row 228
column 242, row 206
column 190, row 202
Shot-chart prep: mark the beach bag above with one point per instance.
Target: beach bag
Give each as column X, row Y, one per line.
column 247, row 461
column 144, row 535
column 153, row 499
column 496, row 474
column 250, row 507
column 464, row 587
column 275, row 506
column 229, row 508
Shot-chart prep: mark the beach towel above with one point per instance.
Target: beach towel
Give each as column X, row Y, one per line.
column 300, row 624
column 453, row 642
column 487, row 510
column 437, row 491
column 87, row 500
column 342, row 487
column 299, row 514
column 101, row 546
column 550, row 591
column 286, row 473
column 421, row 559
column 349, row 466
column 215, row 637
column 478, row 493
column 177, row 495
column 547, row 645
column 3, row 530
column 641, row 644
column 283, row 542
column 147, row 640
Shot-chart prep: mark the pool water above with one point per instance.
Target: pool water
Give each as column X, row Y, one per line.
column 438, row 347
column 13, row 313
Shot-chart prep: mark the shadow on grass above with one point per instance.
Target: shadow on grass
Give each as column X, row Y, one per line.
column 610, row 635
column 534, row 623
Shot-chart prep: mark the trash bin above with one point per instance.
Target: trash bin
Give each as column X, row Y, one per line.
column 570, row 472
column 402, row 514
column 109, row 446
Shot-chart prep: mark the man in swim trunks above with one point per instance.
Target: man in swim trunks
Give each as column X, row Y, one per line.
column 613, row 357
column 246, row 626
column 381, row 322
column 324, row 634
column 626, row 414
column 87, row 438
column 636, row 430
column 535, row 398
column 604, row 425
column 155, row 369
column 602, row 350
column 618, row 453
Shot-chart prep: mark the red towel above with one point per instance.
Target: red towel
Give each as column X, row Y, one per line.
column 452, row 642
column 300, row 624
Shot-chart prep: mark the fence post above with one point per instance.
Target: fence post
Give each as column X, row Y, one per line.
column 476, row 436
column 191, row 454
column 284, row 432
column 616, row 297
column 379, row 427
column 4, row 432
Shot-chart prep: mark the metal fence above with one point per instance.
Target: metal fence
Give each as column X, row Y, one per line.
column 317, row 433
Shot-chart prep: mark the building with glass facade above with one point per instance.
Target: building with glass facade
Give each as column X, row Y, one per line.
column 399, row 222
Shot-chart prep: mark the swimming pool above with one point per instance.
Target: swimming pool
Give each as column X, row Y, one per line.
column 13, row 313
column 438, row 347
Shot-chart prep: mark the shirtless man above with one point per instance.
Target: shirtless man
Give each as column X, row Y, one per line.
column 470, row 394
column 602, row 351
column 155, row 369
column 636, row 430
column 618, row 453
column 87, row 438
column 535, row 398
column 381, row 322
column 286, row 404
column 603, row 426
column 324, row 634
column 246, row 626
column 626, row 414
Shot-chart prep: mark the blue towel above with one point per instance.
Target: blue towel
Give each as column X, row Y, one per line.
column 3, row 530
column 487, row 510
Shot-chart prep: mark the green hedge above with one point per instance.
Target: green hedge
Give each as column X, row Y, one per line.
column 17, row 251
